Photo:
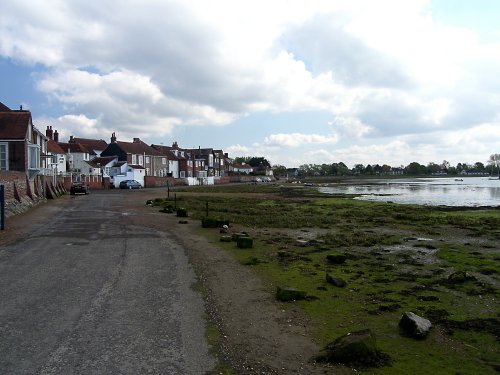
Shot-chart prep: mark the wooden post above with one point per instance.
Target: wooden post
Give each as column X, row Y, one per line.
column 2, row 207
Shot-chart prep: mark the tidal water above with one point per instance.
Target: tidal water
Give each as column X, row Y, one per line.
column 461, row 191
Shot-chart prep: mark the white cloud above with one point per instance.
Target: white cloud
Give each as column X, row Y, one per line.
column 385, row 70
column 298, row 139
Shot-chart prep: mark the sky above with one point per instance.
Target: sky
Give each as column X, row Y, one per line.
column 297, row 82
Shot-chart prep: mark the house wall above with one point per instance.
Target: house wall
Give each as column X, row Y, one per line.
column 173, row 167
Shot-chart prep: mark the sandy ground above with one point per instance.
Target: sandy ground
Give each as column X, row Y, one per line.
column 257, row 335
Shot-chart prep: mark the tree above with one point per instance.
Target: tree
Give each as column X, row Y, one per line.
column 433, row 168
column 339, row 169
column 254, row 161
column 415, row 169
column 495, row 162
column 358, row 169
column 279, row 170
column 479, row 167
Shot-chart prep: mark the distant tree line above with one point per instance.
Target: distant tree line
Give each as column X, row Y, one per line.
column 492, row 167
column 413, row 169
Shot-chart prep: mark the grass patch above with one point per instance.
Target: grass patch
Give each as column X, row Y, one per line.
column 386, row 270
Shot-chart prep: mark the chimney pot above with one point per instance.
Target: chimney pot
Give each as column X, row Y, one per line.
column 56, row 136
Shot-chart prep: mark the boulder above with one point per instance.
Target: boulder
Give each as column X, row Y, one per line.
column 244, row 242
column 336, row 281
column 460, row 277
column 289, row 294
column 182, row 212
column 301, row 243
column 355, row 348
column 414, row 325
column 336, row 258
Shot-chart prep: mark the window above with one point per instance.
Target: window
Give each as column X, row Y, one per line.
column 33, row 157
column 148, row 159
column 164, row 160
column 4, row 156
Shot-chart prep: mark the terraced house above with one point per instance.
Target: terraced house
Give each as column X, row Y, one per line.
column 137, row 153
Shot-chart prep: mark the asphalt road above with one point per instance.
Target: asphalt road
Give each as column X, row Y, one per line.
column 86, row 292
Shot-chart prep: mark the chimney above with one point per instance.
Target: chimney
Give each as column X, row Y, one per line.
column 56, row 136
column 113, row 138
column 71, row 140
column 21, row 107
column 175, row 144
column 49, row 133
column 137, row 140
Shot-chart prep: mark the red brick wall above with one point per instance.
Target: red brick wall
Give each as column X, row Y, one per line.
column 93, row 182
column 154, row 181
column 222, row 180
column 13, row 180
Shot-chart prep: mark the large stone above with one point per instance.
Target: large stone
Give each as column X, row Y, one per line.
column 336, row 258
column 244, row 242
column 355, row 348
column 414, row 325
column 290, row 294
column 460, row 277
column 336, row 281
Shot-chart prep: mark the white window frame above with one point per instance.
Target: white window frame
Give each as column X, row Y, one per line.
column 4, row 161
column 33, row 157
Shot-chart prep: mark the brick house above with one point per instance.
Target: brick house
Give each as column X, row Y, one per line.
column 214, row 161
column 136, row 153
column 170, row 161
column 22, row 147
column 21, row 143
column 97, row 146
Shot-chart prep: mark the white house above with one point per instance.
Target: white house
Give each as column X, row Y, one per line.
column 242, row 168
column 123, row 171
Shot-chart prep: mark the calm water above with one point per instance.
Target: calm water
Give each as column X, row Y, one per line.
column 472, row 191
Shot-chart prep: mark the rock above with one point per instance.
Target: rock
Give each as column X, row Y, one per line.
column 290, row 294
column 356, row 348
column 182, row 212
column 225, row 239
column 335, row 281
column 301, row 243
column 244, row 242
column 460, row 277
column 336, row 258
column 235, row 236
column 414, row 325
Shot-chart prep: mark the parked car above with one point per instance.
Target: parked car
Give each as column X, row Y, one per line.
column 130, row 184
column 79, row 187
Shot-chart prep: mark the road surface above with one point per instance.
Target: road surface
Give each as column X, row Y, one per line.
column 84, row 291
